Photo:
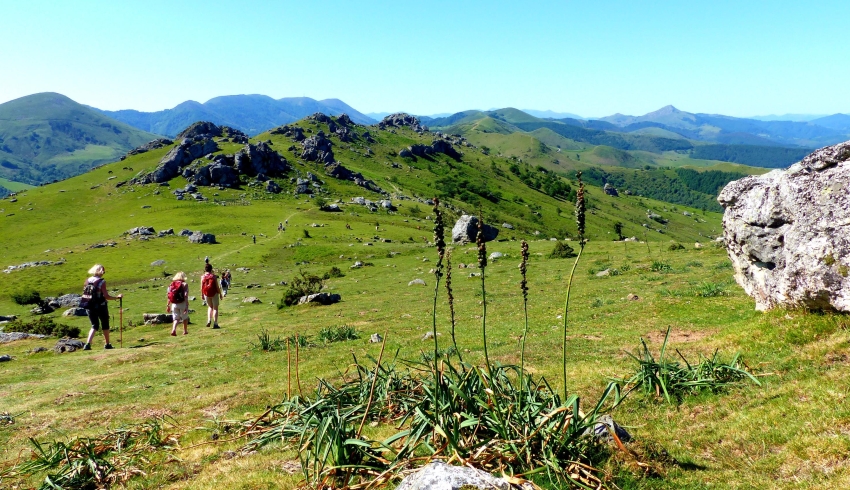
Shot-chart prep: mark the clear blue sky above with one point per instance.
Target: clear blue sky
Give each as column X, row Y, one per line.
column 593, row 58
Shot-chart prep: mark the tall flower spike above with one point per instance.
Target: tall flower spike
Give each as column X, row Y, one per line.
column 523, row 269
column 451, row 298
column 439, row 240
column 482, row 247
column 581, row 207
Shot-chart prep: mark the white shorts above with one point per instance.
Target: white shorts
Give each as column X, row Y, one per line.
column 180, row 311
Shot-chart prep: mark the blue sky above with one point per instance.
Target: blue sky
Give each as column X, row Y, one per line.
column 592, row 58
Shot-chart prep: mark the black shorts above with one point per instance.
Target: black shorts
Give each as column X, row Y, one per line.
column 99, row 317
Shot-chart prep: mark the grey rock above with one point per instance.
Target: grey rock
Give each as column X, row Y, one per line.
column 68, row 300
column 610, row 190
column 157, row 318
column 271, row 186
column 465, row 230
column 200, row 237
column 76, row 312
column 67, row 345
column 13, row 336
column 321, row 298
column 376, row 338
column 604, row 273
column 416, row 282
column 507, row 226
column 39, row 349
column 251, row 299
column 332, row 208
column 5, row 358
column 357, row 265
column 157, row 263
column 8, row 318
column 260, row 159
column 788, row 232
column 438, row 475
column 603, row 428
column 496, row 255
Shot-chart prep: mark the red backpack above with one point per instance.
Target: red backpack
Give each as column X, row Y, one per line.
column 176, row 293
column 209, row 285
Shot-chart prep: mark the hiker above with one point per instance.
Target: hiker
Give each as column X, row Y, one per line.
column 178, row 302
column 225, row 282
column 280, row 227
column 94, row 301
column 254, row 237
column 211, row 291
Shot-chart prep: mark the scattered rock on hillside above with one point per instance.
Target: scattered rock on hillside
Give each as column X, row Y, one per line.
column 174, row 161
column 610, row 190
column 259, row 159
column 251, row 299
column 416, row 282
column 67, row 345
column 201, row 237
column 375, row 338
column 5, row 358
column 157, row 318
column 632, row 297
column 13, row 336
column 271, row 186
column 438, row 475
column 465, row 230
column 321, row 298
column 337, row 171
column 496, row 255
column 8, row 318
column 140, row 231
column 76, row 312
column 37, row 263
column 788, row 232
column 507, row 226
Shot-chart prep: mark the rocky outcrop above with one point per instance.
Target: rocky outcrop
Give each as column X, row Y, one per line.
column 788, row 232
column 259, row 159
column 401, row 119
column 174, row 161
column 294, row 132
column 320, row 298
column 317, row 148
column 438, row 146
column 465, row 230
column 610, row 190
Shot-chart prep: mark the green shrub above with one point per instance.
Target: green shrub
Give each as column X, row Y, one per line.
column 675, row 246
column 44, row 325
column 660, row 266
column 333, row 272
column 709, row 290
column 27, row 297
column 304, row 285
column 562, row 250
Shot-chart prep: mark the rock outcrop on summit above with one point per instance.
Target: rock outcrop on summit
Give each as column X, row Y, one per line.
column 401, row 119
column 788, row 232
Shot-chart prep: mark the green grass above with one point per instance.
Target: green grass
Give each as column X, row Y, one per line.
column 790, row 431
column 14, row 186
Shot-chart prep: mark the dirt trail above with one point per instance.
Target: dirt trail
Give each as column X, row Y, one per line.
column 226, row 254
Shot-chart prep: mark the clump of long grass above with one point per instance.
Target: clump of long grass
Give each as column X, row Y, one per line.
column 102, row 461
column 667, row 379
column 337, row 334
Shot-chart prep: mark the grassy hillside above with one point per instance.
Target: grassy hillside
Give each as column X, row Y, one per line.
column 45, row 137
column 211, row 385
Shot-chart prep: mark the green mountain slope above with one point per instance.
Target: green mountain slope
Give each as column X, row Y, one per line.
column 47, row 136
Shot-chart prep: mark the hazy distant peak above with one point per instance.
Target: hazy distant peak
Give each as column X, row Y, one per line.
column 664, row 111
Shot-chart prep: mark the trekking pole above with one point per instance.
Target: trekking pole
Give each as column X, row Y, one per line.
column 121, row 322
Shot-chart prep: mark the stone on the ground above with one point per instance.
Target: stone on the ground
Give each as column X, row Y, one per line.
column 13, row 336
column 76, row 312
column 357, row 265
column 788, row 232
column 5, row 358
column 251, row 299
column 67, row 345
column 200, row 237
column 632, row 297
column 465, row 230
column 321, row 298
column 416, row 282
column 157, row 318
column 496, row 255
column 376, row 338
column 604, row 273
column 603, row 428
column 438, row 475
column 157, row 263
column 68, row 300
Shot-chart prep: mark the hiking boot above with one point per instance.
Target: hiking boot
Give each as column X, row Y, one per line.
column 208, row 324
column 108, row 346
column 87, row 347
column 216, row 326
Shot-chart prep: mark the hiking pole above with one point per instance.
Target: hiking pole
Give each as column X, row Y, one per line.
column 121, row 322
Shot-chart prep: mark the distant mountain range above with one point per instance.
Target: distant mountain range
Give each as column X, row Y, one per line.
column 252, row 114
column 47, row 136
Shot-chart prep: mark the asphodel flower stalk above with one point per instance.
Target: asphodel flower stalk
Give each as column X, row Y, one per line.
column 482, row 264
column 523, row 286
column 581, row 208
column 440, row 243
column 451, row 299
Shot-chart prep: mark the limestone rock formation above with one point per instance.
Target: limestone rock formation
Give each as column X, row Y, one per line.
column 400, row 119
column 259, row 159
column 788, row 232
column 610, row 190
column 317, row 148
column 465, row 230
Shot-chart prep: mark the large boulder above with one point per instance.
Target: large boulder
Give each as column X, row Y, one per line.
column 180, row 156
column 201, row 237
column 465, row 230
column 788, row 232
column 438, row 475
column 320, row 298
column 317, row 148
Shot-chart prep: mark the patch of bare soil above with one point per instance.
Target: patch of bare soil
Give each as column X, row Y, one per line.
column 677, row 336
